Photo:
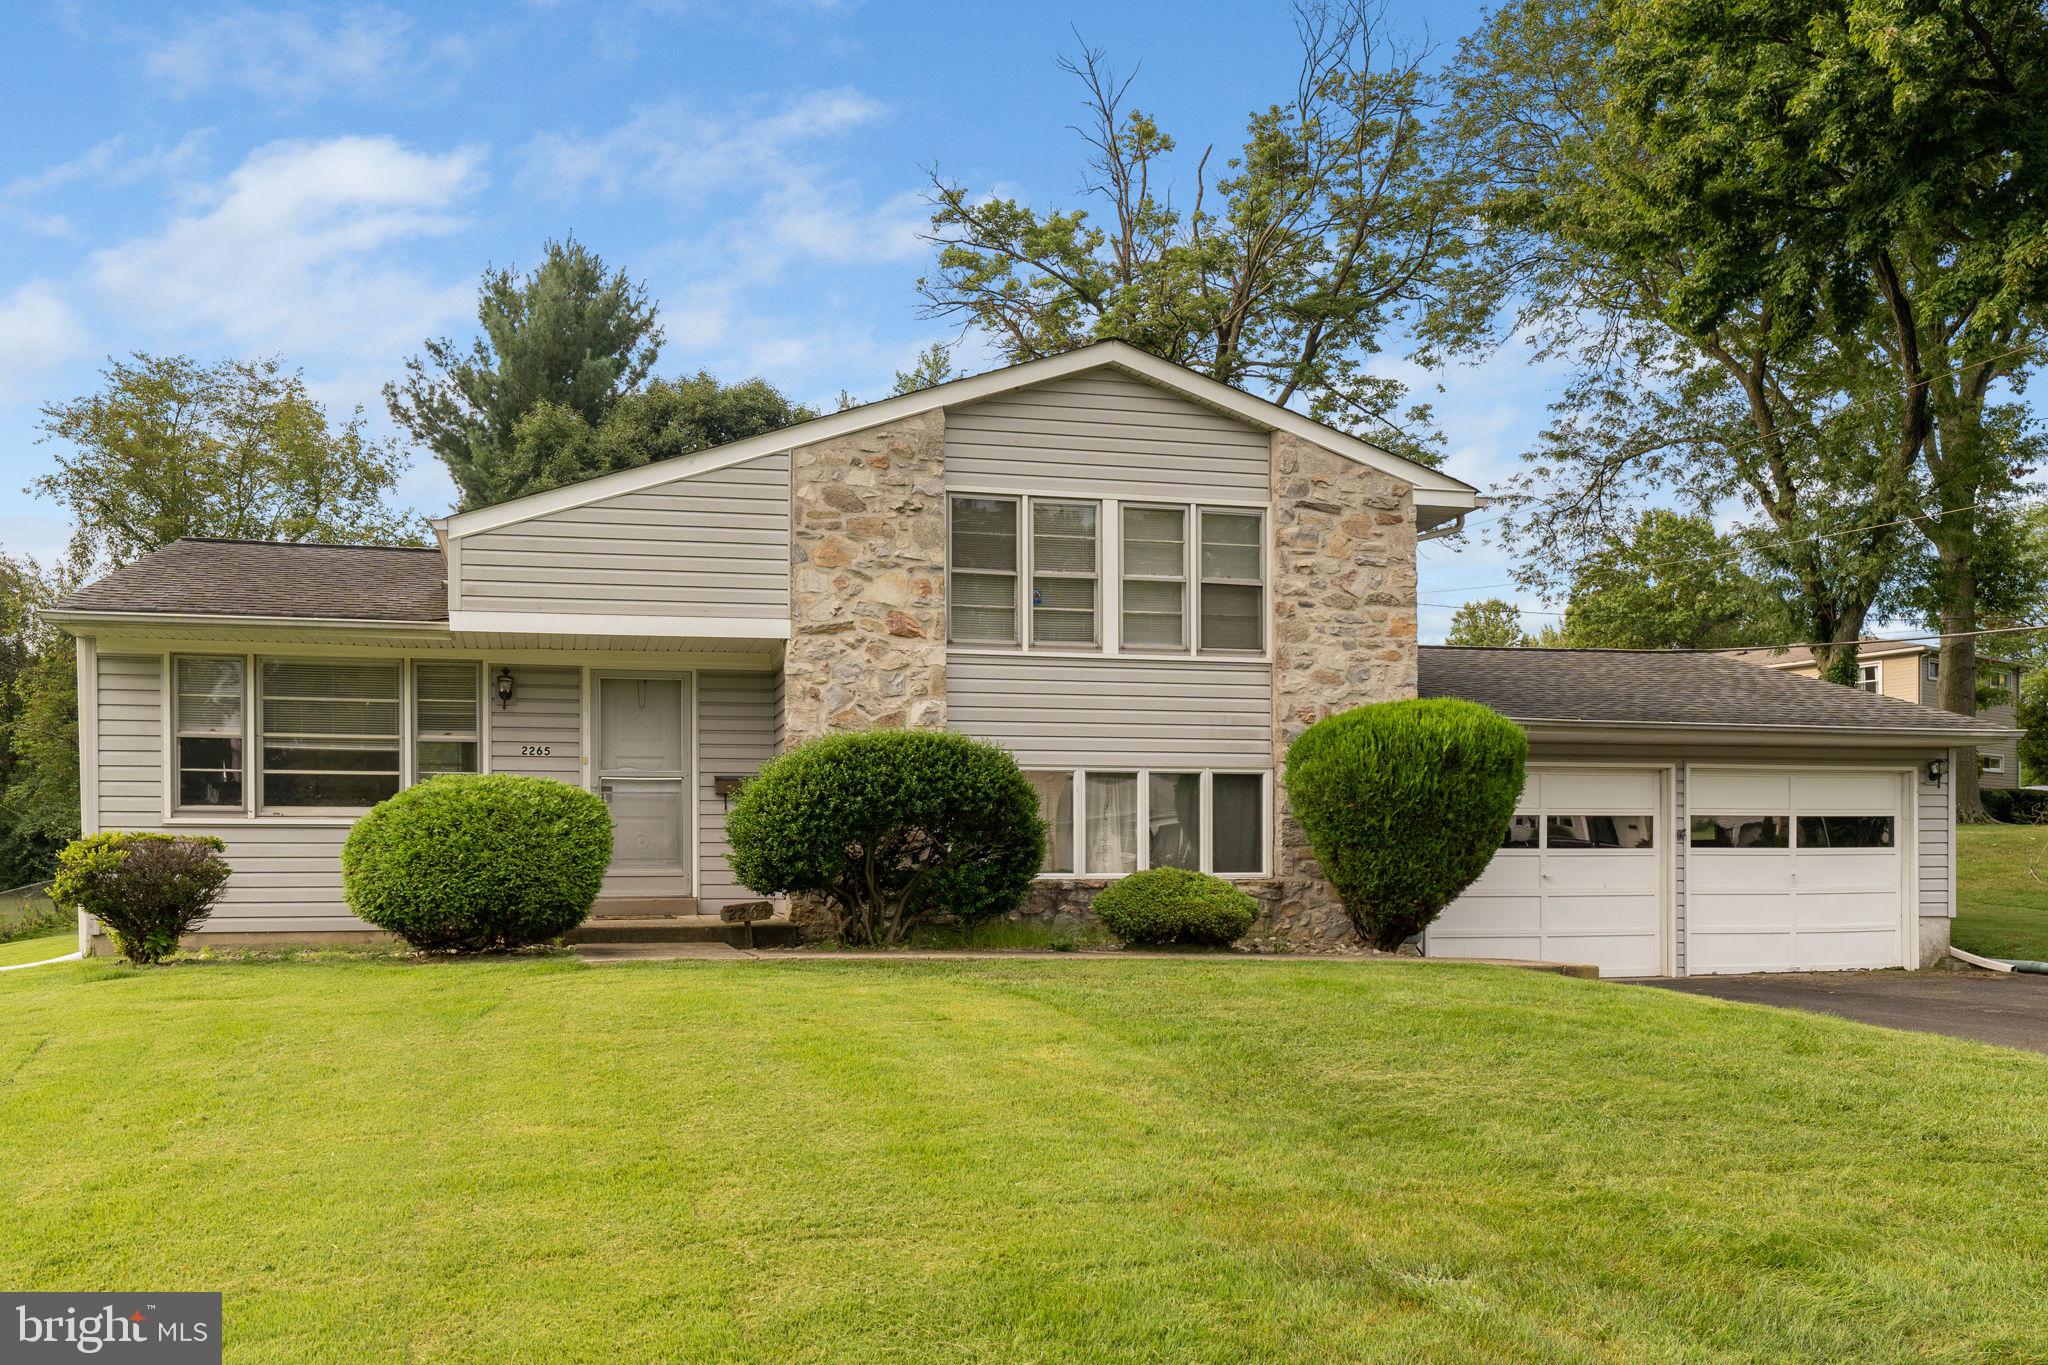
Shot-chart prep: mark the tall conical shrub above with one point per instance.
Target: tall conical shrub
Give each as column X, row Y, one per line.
column 1404, row 804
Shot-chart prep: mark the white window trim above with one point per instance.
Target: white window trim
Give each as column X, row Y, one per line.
column 1109, row 596
column 173, row 766
column 1020, row 524
column 1205, row 820
column 409, row 718
column 1931, row 667
column 1028, row 555
column 1871, row 677
column 1990, row 762
column 1203, row 580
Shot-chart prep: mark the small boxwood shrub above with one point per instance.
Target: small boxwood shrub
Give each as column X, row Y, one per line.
column 890, row 827
column 1404, row 804
column 1173, row 905
column 478, row 862
column 146, row 890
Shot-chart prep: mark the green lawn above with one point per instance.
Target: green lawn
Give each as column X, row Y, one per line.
column 38, row 949
column 1032, row 1159
column 2001, row 904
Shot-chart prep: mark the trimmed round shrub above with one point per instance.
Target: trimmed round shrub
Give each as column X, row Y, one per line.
column 146, row 890
column 478, row 862
column 1404, row 804
column 890, row 827
column 1174, row 905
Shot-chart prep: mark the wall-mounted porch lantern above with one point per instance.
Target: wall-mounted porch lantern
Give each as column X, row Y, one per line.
column 1937, row 768
column 505, row 688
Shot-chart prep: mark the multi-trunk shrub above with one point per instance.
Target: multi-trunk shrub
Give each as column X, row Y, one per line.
column 1171, row 905
column 890, row 827
column 478, row 862
column 1404, row 804
column 146, row 890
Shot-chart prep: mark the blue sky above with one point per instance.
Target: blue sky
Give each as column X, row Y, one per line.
column 325, row 183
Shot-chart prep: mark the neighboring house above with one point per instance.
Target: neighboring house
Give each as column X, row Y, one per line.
column 1911, row 671
column 1141, row 582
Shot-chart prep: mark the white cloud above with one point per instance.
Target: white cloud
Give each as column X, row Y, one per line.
column 752, row 179
column 299, row 249
column 39, row 332
column 110, row 164
column 292, row 55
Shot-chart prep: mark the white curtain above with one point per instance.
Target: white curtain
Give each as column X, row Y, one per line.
column 1112, row 823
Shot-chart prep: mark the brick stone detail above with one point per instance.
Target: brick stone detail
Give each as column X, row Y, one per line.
column 867, row 589
column 1344, row 635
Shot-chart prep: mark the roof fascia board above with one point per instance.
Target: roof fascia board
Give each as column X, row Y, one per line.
column 1634, row 731
column 1432, row 488
column 190, row 618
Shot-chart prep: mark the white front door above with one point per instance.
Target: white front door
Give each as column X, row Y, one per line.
column 643, row 774
column 1794, row 871
column 1580, row 878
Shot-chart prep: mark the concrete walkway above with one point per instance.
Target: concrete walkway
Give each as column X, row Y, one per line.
column 2011, row 1011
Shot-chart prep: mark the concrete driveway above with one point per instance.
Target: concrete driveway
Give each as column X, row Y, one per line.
column 2011, row 1011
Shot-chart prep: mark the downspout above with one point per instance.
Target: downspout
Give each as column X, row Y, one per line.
column 1451, row 528
column 2000, row 964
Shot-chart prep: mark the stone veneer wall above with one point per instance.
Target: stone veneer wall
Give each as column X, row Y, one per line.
column 1343, row 635
column 868, row 581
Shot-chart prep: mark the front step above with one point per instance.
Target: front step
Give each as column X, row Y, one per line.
column 647, row 908
column 678, row 929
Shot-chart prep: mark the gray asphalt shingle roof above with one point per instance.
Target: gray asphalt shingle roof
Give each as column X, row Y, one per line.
column 271, row 578
column 1646, row 687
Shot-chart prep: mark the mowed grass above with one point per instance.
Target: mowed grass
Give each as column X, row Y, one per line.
column 2002, row 890
column 38, row 949
column 1046, row 1159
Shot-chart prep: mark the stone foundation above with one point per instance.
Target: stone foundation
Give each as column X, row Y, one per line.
column 1069, row 905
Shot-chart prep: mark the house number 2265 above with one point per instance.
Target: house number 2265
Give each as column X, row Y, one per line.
column 537, row 750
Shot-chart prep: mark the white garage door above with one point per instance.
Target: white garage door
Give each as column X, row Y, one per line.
column 1794, row 871
column 1580, row 879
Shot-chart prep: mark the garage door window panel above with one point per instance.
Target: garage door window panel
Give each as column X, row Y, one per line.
column 1742, row 831
column 1524, row 833
column 1827, row 832
column 1598, row 833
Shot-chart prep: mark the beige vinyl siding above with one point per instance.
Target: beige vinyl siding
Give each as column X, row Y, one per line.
column 715, row 544
column 1104, row 434
column 1936, row 872
column 1103, row 713
column 546, row 712
column 1902, row 678
column 737, row 717
column 131, row 741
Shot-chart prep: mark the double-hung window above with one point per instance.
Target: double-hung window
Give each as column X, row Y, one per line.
column 981, row 588
column 1064, row 576
column 206, row 706
column 1155, row 578
column 447, row 706
column 1233, row 589
column 328, row 733
column 1870, row 675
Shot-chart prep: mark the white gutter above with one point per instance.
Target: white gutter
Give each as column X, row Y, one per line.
column 139, row 618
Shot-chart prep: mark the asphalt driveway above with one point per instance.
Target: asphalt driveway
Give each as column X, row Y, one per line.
column 2011, row 1011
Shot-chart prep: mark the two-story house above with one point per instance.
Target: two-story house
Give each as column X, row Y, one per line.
column 1142, row 583
column 1911, row 671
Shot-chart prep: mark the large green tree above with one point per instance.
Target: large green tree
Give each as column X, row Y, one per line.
column 1862, row 167
column 38, row 725
column 1285, row 272
column 1672, row 582
column 572, row 334
column 1494, row 623
column 169, row 447
column 553, row 445
column 1655, row 406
